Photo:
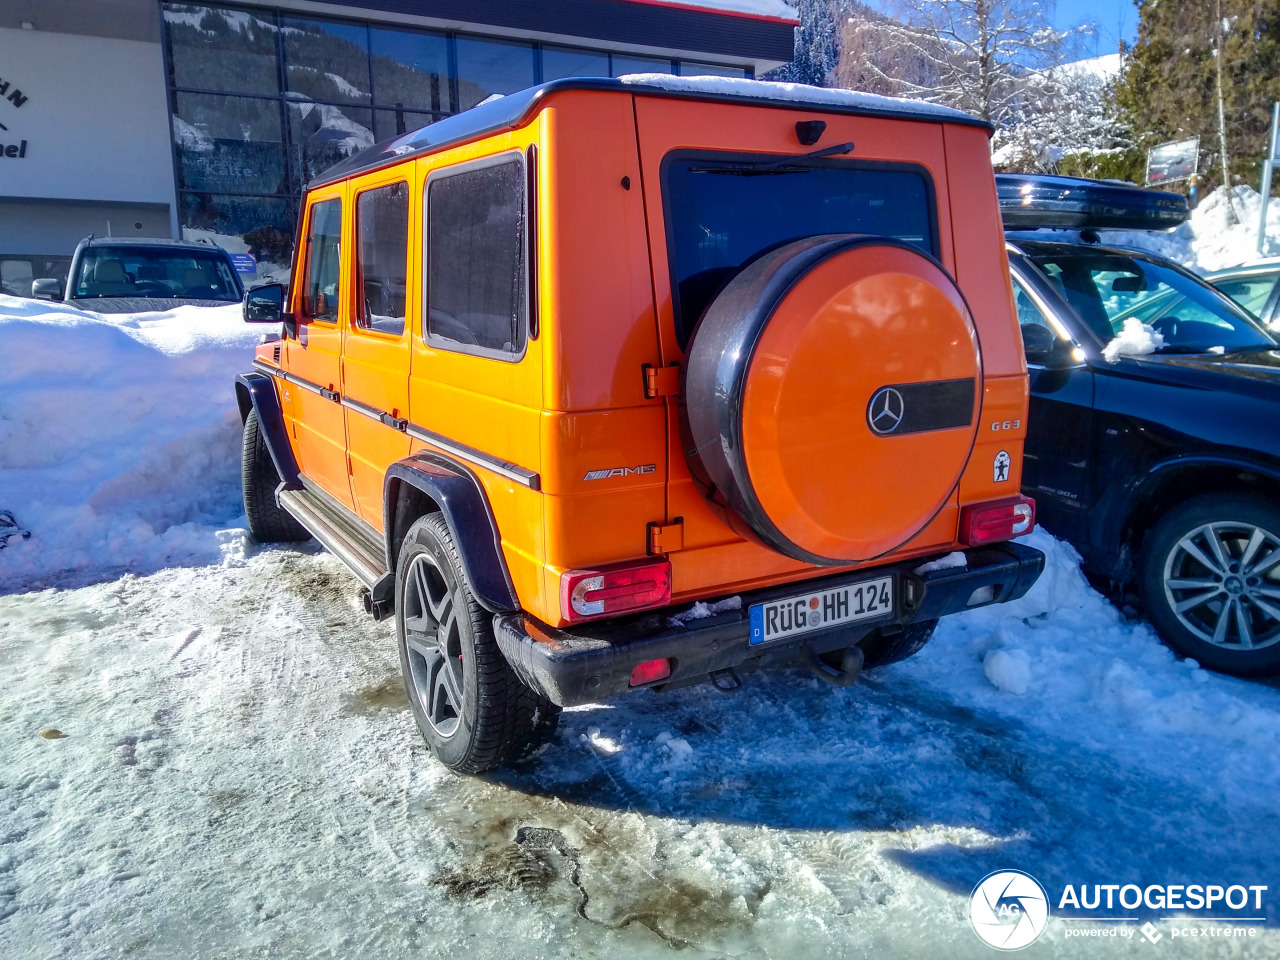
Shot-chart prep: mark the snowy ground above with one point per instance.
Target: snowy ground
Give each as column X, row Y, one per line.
column 238, row 773
column 240, row 776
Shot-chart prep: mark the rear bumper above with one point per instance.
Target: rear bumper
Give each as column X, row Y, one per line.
column 594, row 662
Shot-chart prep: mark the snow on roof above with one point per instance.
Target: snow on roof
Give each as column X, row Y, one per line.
column 794, row 93
column 756, row 8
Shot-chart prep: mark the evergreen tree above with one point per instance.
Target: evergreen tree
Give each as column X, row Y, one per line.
column 1169, row 89
column 817, row 45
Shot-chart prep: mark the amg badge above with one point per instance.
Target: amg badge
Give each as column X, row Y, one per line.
column 620, row 472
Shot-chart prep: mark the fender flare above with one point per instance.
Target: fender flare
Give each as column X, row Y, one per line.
column 257, row 391
column 458, row 494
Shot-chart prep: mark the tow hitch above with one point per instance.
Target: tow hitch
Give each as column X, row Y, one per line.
column 844, row 675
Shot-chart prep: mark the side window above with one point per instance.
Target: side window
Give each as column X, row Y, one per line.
column 476, row 286
column 1028, row 312
column 320, row 292
column 1250, row 292
column 382, row 224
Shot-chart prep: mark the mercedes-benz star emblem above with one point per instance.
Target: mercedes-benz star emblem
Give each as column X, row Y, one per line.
column 885, row 411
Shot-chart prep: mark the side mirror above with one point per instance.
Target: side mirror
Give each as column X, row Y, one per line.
column 265, row 304
column 1037, row 343
column 47, row 289
column 1044, row 349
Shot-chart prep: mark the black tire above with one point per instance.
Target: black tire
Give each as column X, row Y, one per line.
column 471, row 708
column 268, row 522
column 879, row 650
column 1235, row 625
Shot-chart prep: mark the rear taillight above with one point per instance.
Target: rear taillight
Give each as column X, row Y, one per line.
column 585, row 594
column 997, row 520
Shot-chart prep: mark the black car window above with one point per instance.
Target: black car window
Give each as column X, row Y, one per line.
column 1250, row 292
column 476, row 298
column 1108, row 290
column 723, row 211
column 166, row 272
column 382, row 221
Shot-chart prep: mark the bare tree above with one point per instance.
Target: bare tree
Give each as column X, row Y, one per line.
column 968, row 54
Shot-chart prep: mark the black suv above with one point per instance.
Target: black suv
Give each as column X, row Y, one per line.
column 1153, row 444
column 132, row 276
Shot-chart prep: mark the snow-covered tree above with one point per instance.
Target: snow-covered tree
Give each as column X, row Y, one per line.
column 968, row 54
column 817, row 45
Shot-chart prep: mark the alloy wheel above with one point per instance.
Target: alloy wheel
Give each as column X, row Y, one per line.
column 434, row 639
column 1222, row 582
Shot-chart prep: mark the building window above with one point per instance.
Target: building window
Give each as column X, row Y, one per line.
column 262, row 101
column 326, row 61
column 382, row 223
column 411, row 70
column 624, row 65
column 561, row 62
column 486, row 67
column 690, row 68
column 215, row 49
column 476, row 299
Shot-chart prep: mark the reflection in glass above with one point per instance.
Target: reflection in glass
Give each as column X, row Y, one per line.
column 486, row 67
column 382, row 225
column 411, row 70
column 392, row 123
column 689, row 68
column 262, row 226
column 320, row 135
column 216, row 49
column 327, row 61
column 624, row 65
column 229, row 144
column 561, row 62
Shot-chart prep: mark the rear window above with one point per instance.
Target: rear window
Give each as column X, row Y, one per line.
column 724, row 211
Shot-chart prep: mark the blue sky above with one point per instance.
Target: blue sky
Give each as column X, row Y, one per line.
column 1116, row 20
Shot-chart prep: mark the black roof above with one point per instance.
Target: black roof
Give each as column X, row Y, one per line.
column 512, row 111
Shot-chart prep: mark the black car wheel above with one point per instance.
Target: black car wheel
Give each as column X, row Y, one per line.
column 470, row 707
column 268, row 521
column 1211, row 582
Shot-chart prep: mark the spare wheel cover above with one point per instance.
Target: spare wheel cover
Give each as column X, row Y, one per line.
column 831, row 391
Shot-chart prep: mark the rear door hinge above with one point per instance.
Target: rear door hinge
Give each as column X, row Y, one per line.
column 661, row 381
column 666, row 537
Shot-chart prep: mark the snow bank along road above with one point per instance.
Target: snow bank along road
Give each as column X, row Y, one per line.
column 239, row 775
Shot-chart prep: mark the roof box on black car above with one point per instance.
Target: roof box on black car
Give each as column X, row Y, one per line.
column 1030, row 200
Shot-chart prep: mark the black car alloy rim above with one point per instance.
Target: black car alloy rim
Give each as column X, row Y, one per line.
column 1222, row 581
column 434, row 640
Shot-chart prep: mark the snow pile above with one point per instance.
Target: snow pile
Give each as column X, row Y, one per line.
column 1137, row 339
column 119, row 436
column 1206, row 241
column 793, row 92
column 950, row 561
column 1080, row 670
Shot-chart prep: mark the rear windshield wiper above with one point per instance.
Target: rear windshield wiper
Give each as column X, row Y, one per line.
column 753, row 168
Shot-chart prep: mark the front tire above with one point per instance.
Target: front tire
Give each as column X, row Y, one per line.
column 1210, row 581
column 471, row 708
column 268, row 521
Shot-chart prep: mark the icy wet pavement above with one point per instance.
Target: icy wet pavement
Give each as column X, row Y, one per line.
column 240, row 776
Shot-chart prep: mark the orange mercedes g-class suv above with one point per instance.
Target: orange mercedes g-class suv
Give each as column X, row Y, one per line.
column 618, row 384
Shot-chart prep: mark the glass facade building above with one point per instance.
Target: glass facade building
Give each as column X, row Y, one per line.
column 262, row 100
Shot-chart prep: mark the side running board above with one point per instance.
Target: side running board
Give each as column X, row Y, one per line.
column 349, row 544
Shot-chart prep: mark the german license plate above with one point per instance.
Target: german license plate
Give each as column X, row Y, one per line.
column 780, row 619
